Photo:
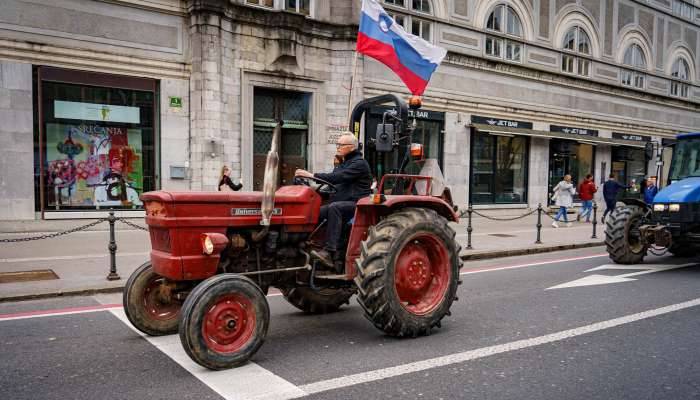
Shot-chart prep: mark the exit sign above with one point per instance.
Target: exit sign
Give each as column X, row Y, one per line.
column 175, row 101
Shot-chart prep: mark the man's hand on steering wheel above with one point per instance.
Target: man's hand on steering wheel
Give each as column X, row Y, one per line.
column 301, row 174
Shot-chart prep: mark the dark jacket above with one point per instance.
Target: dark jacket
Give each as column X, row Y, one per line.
column 352, row 178
column 610, row 189
column 227, row 181
column 649, row 193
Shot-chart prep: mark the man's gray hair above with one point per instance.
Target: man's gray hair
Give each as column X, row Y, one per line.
column 353, row 140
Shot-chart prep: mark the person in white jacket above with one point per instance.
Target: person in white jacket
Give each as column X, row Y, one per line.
column 564, row 194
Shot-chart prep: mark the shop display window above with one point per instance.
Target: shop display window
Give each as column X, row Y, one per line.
column 499, row 169
column 95, row 144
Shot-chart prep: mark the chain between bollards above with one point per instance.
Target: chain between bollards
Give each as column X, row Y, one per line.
column 539, row 224
column 595, row 219
column 470, row 210
column 113, row 275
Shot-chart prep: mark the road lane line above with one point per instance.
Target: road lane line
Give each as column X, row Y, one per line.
column 249, row 381
column 62, row 311
column 384, row 373
column 76, row 257
column 501, row 268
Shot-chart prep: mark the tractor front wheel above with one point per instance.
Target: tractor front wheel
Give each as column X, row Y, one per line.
column 148, row 304
column 408, row 272
column 224, row 321
column 622, row 237
column 322, row 302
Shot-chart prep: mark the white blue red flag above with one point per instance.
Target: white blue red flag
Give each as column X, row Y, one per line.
column 413, row 59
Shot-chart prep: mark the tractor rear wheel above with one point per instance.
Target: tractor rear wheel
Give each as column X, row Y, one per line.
column 322, row 302
column 622, row 237
column 224, row 321
column 408, row 272
column 147, row 306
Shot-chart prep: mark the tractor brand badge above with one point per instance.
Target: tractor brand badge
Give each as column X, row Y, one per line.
column 253, row 211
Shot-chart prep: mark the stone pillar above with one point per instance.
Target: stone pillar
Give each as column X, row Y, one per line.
column 457, row 153
column 16, row 141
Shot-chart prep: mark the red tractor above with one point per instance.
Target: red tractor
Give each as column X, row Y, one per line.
column 215, row 255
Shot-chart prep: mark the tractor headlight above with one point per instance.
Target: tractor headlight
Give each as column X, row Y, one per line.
column 659, row 207
column 674, row 207
column 207, row 245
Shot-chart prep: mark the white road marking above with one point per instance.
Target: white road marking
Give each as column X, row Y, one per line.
column 75, row 257
column 249, row 381
column 561, row 260
column 597, row 279
column 384, row 373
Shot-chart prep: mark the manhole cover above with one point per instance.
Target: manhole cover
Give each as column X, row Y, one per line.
column 501, row 235
column 27, row 276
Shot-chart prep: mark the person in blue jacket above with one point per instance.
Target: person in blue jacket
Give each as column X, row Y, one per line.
column 650, row 190
column 610, row 190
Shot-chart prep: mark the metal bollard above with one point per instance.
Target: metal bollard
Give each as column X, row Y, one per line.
column 470, row 210
column 539, row 224
column 113, row 275
column 595, row 220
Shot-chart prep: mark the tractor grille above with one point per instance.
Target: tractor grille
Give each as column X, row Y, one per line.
column 160, row 239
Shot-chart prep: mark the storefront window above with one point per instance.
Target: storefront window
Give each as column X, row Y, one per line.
column 499, row 169
column 568, row 157
column 97, row 143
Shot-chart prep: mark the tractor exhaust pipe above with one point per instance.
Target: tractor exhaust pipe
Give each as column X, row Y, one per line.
column 270, row 182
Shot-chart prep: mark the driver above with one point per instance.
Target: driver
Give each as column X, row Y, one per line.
column 352, row 179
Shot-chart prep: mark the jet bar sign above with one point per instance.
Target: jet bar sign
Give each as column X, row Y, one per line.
column 253, row 211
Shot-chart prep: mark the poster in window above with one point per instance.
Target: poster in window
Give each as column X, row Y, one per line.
column 89, row 165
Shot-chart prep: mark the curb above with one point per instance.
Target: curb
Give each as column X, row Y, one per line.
column 483, row 255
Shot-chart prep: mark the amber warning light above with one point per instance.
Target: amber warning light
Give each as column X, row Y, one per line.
column 417, row 151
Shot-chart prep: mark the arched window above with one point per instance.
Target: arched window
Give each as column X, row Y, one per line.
column 681, row 71
column 411, row 24
column 503, row 19
column 576, row 41
column 634, row 57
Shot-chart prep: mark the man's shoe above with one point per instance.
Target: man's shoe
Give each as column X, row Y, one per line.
column 324, row 256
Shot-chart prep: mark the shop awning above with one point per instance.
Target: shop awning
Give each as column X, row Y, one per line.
column 595, row 140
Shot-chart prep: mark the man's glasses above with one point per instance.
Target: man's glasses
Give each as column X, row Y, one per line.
column 339, row 145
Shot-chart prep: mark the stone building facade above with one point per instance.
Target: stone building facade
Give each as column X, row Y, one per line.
column 529, row 90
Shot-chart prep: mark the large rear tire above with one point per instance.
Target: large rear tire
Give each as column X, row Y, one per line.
column 622, row 237
column 322, row 302
column 408, row 272
column 146, row 307
column 224, row 321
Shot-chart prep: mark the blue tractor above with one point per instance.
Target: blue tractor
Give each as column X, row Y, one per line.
column 671, row 222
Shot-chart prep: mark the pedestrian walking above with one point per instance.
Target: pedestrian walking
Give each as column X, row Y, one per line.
column 586, row 190
column 650, row 190
column 225, row 182
column 611, row 188
column 564, row 198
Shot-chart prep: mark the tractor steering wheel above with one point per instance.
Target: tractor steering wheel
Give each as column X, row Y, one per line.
column 331, row 189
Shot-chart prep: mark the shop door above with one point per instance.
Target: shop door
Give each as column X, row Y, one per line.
column 572, row 158
column 293, row 109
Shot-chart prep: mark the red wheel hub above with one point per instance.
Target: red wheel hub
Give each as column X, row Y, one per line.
column 155, row 305
column 422, row 273
column 229, row 324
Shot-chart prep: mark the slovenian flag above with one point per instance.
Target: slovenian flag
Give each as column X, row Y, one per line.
column 413, row 59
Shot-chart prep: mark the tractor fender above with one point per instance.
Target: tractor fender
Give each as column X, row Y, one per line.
column 396, row 202
column 635, row 202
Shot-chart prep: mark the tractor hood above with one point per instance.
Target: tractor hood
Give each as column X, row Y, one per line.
column 684, row 191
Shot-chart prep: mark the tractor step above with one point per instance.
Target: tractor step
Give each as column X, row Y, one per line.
column 335, row 277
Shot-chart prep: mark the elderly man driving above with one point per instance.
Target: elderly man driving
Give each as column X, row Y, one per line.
column 352, row 179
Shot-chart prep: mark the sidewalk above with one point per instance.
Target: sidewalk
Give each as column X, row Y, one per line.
column 80, row 260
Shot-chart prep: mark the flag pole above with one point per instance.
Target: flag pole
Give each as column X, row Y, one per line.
column 352, row 88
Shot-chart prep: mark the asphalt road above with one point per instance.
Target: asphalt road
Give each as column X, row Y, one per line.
column 511, row 336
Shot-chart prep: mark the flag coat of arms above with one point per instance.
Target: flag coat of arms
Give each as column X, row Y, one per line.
column 413, row 59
